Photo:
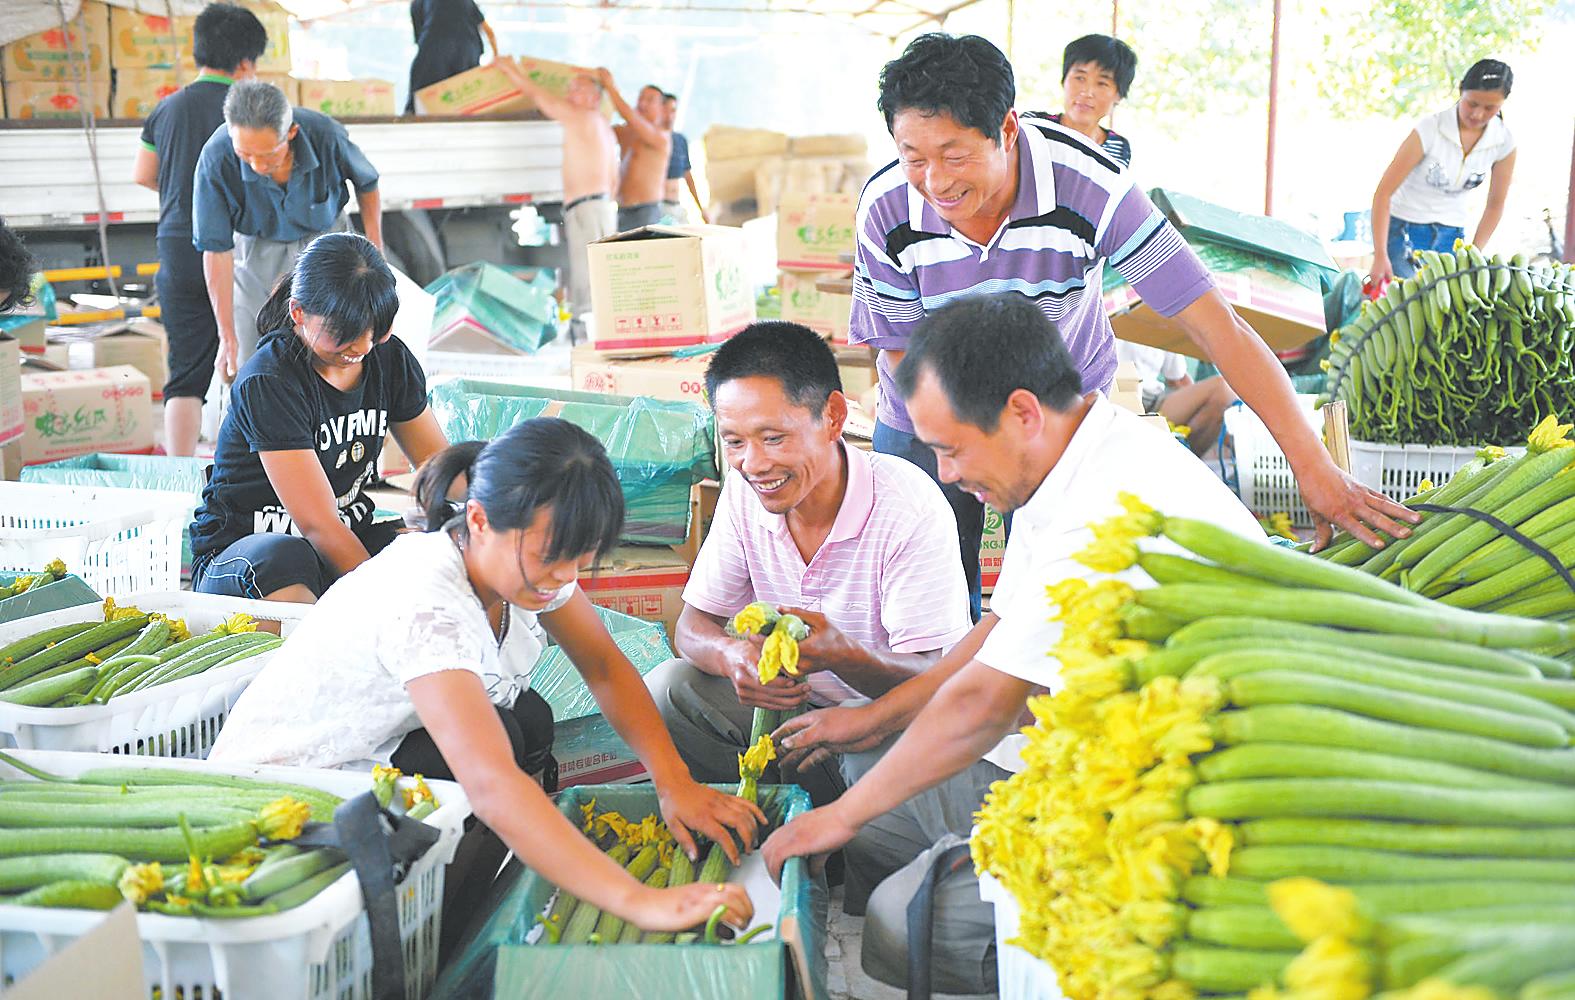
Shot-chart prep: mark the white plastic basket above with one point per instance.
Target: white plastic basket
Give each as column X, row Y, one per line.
column 530, row 369
column 1019, row 975
column 180, row 719
column 1396, row 470
column 320, row 950
column 118, row 541
column 1263, row 474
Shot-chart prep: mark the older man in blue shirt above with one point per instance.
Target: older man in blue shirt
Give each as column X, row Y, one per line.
column 268, row 182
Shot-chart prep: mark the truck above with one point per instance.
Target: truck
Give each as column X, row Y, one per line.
column 454, row 190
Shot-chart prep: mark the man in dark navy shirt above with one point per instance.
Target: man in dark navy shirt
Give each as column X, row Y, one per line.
column 228, row 41
column 448, row 42
column 679, row 169
column 268, row 182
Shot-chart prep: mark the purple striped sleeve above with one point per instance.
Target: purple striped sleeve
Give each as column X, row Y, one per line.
column 1151, row 255
column 886, row 306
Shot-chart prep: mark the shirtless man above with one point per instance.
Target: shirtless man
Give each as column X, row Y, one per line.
column 646, row 148
column 590, row 174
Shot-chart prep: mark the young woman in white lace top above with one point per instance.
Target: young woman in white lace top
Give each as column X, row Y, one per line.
column 422, row 656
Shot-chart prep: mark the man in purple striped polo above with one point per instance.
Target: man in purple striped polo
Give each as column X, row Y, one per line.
column 980, row 201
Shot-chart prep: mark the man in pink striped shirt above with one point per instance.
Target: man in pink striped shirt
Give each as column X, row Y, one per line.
column 861, row 546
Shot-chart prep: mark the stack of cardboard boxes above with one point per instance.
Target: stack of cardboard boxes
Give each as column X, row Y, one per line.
column 147, row 56
column 747, row 171
column 57, row 72
column 140, row 57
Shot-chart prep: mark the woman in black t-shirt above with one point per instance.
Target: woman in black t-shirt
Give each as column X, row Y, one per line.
column 285, row 512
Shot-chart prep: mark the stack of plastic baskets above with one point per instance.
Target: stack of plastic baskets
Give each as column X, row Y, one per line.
column 1264, row 480
column 320, row 950
column 118, row 541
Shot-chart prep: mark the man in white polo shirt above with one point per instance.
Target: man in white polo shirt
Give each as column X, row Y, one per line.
column 861, row 546
column 993, row 390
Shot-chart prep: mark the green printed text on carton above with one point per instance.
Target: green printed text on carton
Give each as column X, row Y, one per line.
column 55, row 425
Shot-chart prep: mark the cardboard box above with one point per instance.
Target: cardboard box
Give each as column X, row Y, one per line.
column 49, row 54
column 814, row 231
column 10, row 389
column 824, row 312
column 663, row 287
column 26, row 330
column 1128, row 400
column 857, row 365
column 733, row 180
column 80, row 412
column 38, row 99
column 140, row 40
column 1284, row 313
column 139, row 343
column 276, row 21
column 726, row 142
column 484, row 90
column 138, row 91
column 285, row 82
column 590, row 752
column 851, row 145
column 555, row 77
column 992, row 550
column 1127, row 377
column 702, row 508
column 645, row 582
column 348, row 98
column 660, row 377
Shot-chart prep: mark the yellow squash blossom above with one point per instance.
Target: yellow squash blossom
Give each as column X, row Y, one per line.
column 779, row 653
column 236, row 624
column 1549, row 435
column 1312, row 909
column 1331, row 968
column 139, row 882
column 1438, row 989
column 283, row 818
column 418, row 792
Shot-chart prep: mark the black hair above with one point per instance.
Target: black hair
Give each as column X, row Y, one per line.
column 983, row 348
column 963, row 76
column 226, row 36
column 16, row 269
column 1488, row 74
column 343, row 278
column 792, row 354
column 1108, row 53
column 669, row 97
column 541, row 463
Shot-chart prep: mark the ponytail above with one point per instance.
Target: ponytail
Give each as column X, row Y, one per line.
column 539, row 464
column 275, row 313
column 436, row 479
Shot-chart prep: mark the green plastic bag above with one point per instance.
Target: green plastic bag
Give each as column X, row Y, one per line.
column 659, row 448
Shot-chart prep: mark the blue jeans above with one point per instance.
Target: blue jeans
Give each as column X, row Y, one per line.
column 1408, row 237
column 965, row 506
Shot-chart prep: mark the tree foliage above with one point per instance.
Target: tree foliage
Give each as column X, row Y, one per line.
column 1408, row 56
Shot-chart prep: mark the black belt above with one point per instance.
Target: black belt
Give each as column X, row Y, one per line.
column 582, row 199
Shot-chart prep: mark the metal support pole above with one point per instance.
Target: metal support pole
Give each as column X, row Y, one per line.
column 1011, row 19
column 1569, row 214
column 1274, row 108
column 1115, row 18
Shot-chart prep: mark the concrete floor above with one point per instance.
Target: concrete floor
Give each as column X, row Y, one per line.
column 845, row 978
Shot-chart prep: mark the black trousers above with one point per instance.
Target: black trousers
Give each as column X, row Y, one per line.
column 480, row 854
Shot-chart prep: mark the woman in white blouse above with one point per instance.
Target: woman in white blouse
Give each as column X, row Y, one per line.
column 1420, row 203
column 421, row 656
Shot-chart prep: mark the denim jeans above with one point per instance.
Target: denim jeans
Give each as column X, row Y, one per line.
column 1407, row 237
column 965, row 506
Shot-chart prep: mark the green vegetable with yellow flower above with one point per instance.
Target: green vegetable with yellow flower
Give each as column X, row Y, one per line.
column 1281, row 776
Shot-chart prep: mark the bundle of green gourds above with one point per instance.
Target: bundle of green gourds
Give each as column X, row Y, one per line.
column 1467, row 351
column 1260, row 723
column 647, row 851
column 177, row 842
column 1465, row 561
column 56, row 570
column 92, row 662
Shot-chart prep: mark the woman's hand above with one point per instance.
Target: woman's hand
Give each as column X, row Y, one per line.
column 685, row 907
column 690, row 808
column 1382, row 272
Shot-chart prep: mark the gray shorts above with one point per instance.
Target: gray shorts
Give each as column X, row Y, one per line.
column 585, row 220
